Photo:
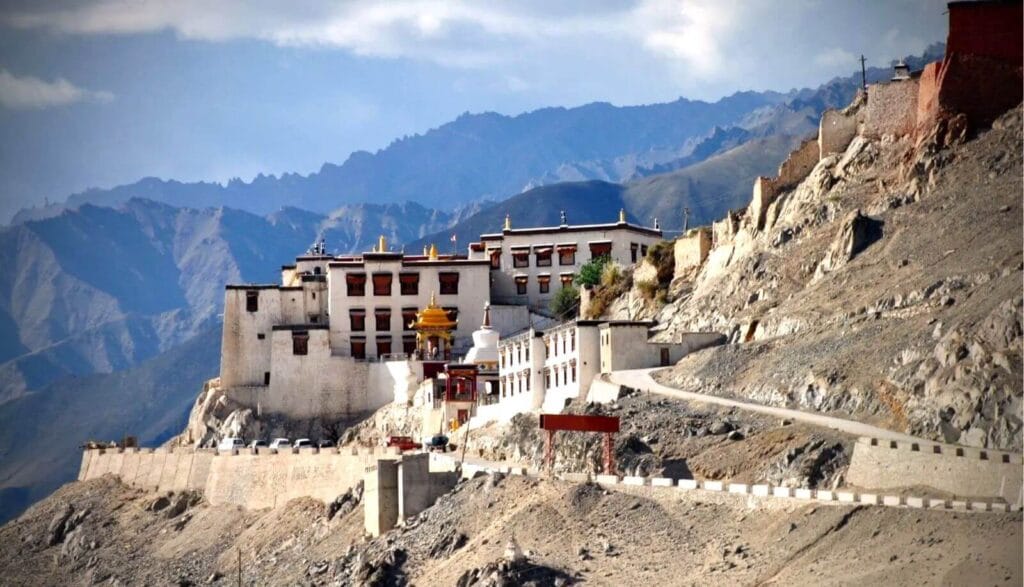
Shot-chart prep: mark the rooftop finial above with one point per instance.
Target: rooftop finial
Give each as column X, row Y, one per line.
column 487, row 315
column 426, row 250
column 564, row 221
column 622, row 215
column 382, row 244
column 656, row 225
column 508, row 222
column 432, row 253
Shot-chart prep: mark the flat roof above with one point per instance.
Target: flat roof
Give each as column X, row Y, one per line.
column 572, row 228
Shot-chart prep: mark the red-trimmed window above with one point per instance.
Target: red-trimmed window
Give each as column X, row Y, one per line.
column 382, row 284
column 544, row 283
column 409, row 284
column 521, row 258
column 496, row 259
column 409, row 344
column 382, row 318
column 358, row 348
column 543, row 255
column 408, row 318
column 521, row 285
column 600, row 249
column 449, row 282
column 356, row 284
column 383, row 346
column 357, row 317
column 566, row 279
column 452, row 311
column 567, row 255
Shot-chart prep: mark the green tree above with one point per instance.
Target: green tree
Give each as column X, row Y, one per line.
column 565, row 303
column 590, row 272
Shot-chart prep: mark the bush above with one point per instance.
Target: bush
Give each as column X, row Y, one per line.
column 663, row 257
column 590, row 272
column 611, row 274
column 648, row 289
column 566, row 303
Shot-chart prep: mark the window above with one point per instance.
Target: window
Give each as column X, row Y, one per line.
column 261, row 336
column 381, row 284
column 521, row 258
column 453, row 312
column 314, row 295
column 566, row 254
column 383, row 346
column 643, row 251
column 544, row 283
column 573, row 371
column 383, row 319
column 566, row 279
column 357, row 317
column 600, row 249
column 314, row 318
column 547, row 377
column 409, row 284
column 409, row 344
column 632, row 252
column 356, row 284
column 449, row 283
column 266, row 378
column 496, row 259
column 526, row 378
column 565, row 347
column 358, row 347
column 316, row 271
column 521, row 285
column 519, row 354
column 572, row 340
column 543, row 255
column 300, row 343
column 252, row 301
column 408, row 318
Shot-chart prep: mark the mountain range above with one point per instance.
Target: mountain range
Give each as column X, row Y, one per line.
column 113, row 281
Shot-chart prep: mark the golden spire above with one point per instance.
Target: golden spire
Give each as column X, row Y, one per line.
column 432, row 254
column 382, row 244
column 508, row 222
column 622, row 215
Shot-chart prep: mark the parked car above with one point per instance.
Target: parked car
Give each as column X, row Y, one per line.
column 258, row 444
column 280, row 443
column 438, row 443
column 230, row 443
column 303, row 443
column 326, row 444
column 403, row 443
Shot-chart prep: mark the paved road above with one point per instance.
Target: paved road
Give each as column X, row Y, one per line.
column 641, row 379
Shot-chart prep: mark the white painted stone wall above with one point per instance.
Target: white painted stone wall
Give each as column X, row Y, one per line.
column 626, row 346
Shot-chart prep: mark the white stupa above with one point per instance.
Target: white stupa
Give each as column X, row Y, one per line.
column 485, row 344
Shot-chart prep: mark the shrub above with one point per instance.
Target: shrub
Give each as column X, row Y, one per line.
column 648, row 289
column 663, row 257
column 590, row 272
column 611, row 274
column 566, row 303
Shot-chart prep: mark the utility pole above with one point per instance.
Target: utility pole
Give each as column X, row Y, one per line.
column 863, row 74
column 686, row 219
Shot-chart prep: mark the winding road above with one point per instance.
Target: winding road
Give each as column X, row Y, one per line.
column 640, row 379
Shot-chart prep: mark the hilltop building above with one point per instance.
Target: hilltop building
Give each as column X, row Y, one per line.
column 529, row 265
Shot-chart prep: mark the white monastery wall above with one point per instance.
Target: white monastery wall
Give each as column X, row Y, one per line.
column 244, row 355
column 692, row 249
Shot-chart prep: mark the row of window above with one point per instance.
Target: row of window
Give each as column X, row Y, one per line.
column 382, row 318
column 384, row 345
column 565, row 339
column 562, row 375
column 518, row 352
column 408, row 283
column 543, row 283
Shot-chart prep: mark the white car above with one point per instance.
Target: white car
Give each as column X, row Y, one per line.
column 304, row 443
column 230, row 443
column 280, row 443
column 258, row 444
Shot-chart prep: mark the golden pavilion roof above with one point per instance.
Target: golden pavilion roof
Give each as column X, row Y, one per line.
column 433, row 318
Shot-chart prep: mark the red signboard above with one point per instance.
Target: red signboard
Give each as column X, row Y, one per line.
column 579, row 423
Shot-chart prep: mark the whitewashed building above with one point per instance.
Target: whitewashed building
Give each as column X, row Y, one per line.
column 529, row 265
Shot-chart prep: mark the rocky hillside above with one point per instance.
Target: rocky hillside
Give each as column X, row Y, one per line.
column 886, row 286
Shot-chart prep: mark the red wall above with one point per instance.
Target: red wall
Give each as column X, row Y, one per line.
column 990, row 29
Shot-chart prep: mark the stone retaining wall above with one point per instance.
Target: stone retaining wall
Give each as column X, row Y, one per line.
column 960, row 471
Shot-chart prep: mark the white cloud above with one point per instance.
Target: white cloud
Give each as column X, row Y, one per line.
column 33, row 93
column 836, row 58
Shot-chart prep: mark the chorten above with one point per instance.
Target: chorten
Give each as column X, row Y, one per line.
column 485, row 344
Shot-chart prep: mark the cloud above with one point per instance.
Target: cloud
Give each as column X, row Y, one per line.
column 462, row 34
column 836, row 58
column 33, row 93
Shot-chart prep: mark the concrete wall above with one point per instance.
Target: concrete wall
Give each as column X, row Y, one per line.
column 835, row 131
column 507, row 320
column 891, row 109
column 626, row 346
column 692, row 249
column 248, row 480
column 961, row 471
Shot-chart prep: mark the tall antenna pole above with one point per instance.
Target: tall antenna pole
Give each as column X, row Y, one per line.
column 863, row 74
column 686, row 219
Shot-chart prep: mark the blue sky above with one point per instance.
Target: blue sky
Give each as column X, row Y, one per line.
column 105, row 92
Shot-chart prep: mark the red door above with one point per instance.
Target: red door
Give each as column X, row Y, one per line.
column 463, row 415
